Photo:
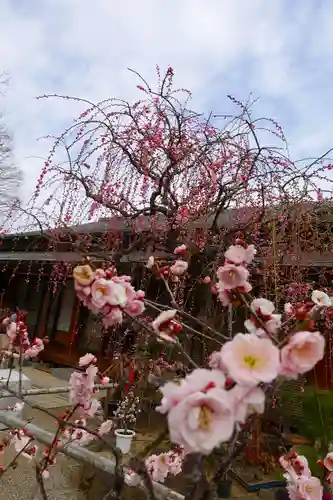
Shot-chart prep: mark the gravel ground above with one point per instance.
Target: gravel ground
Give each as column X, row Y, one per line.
column 20, row 483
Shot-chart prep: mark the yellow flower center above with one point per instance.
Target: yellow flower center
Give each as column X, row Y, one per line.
column 308, row 489
column 102, row 290
column 250, row 361
column 232, row 275
column 205, row 418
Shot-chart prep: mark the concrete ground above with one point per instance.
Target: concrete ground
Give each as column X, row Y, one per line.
column 20, row 483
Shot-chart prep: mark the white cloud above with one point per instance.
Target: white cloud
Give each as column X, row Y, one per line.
column 280, row 50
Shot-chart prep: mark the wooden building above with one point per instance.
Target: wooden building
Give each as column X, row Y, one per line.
column 36, row 275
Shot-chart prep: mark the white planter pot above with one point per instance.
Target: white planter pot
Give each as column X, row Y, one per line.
column 124, row 441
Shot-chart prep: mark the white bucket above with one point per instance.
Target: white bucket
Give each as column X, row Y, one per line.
column 124, row 441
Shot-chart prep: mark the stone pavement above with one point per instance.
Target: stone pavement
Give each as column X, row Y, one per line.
column 41, row 379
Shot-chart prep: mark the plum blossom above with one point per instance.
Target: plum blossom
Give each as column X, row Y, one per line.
column 215, row 361
column 200, row 380
column 179, row 267
column 263, row 310
column 131, row 478
column 202, row 421
column 82, row 387
column 240, row 253
column 302, row 353
column 108, row 292
column 83, row 275
column 250, row 253
column 150, row 263
column 135, row 308
column 158, row 466
column 113, row 317
column 235, row 254
column 246, row 401
column 250, row 359
column 180, row 250
column 165, row 327
column 289, row 309
column 304, row 488
column 227, row 296
column 328, row 461
column 105, row 427
column 231, row 276
column 87, row 359
column 321, row 298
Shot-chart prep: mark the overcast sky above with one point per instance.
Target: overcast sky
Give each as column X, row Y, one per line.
column 281, row 51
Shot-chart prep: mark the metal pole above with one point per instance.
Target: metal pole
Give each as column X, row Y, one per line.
column 51, row 390
column 79, row 453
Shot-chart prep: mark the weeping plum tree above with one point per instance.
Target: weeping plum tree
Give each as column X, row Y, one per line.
column 159, row 165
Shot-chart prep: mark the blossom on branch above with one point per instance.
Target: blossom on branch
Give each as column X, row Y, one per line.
column 250, row 360
column 302, row 353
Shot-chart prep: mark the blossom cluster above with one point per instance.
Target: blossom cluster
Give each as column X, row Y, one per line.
column 18, row 338
column 206, row 406
column 103, row 292
column 233, row 276
column 301, row 484
column 82, row 386
column 159, row 467
column 176, row 269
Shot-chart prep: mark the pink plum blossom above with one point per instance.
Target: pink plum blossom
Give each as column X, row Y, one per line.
column 302, row 353
column 231, row 276
column 250, row 359
column 250, row 253
column 105, row 427
column 246, row 401
column 105, row 291
column 131, row 478
column 263, row 310
column 179, row 267
column 139, row 295
column 215, row 361
column 100, row 273
column 180, row 250
column 328, row 461
column 200, row 380
column 87, row 359
column 113, row 317
column 202, row 421
column 163, row 325
column 226, row 296
column 235, row 254
column 305, row 488
column 124, row 281
column 135, row 307
column 158, row 467
column 262, row 306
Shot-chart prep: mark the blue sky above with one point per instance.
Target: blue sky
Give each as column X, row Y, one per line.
column 281, row 51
